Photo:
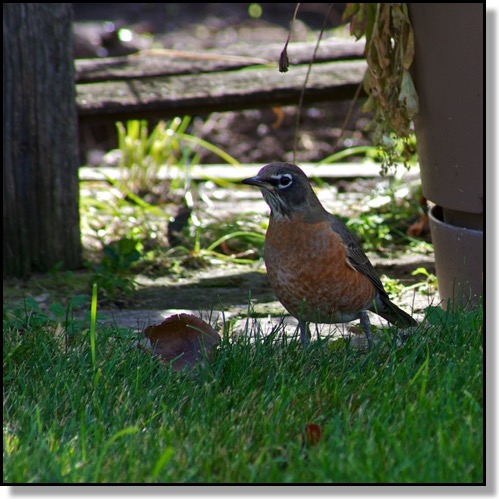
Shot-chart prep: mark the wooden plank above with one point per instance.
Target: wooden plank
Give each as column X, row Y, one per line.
column 164, row 62
column 163, row 97
column 237, row 173
column 160, row 63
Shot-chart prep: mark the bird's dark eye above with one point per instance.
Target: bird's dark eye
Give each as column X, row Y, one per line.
column 284, row 180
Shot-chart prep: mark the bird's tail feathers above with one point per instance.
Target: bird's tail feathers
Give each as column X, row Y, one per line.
column 396, row 315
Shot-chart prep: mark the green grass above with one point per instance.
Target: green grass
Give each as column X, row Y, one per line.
column 91, row 407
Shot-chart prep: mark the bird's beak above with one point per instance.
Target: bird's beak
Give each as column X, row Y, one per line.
column 254, row 181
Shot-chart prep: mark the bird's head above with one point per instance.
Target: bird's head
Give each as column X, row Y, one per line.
column 285, row 188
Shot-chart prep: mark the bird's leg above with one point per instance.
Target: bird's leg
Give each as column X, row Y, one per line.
column 304, row 332
column 366, row 326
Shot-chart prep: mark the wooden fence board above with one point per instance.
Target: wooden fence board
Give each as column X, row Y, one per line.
column 161, row 97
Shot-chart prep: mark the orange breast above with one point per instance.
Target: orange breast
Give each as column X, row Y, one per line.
column 308, row 270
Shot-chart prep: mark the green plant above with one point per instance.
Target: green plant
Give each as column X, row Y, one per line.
column 120, row 255
column 429, row 285
column 112, row 273
column 239, row 239
column 392, row 286
column 144, row 155
column 385, row 217
column 389, row 53
column 64, row 320
column 405, row 149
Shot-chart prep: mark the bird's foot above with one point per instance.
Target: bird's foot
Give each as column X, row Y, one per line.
column 366, row 326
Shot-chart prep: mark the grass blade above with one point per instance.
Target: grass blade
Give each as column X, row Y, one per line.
column 125, row 431
column 93, row 322
column 162, row 461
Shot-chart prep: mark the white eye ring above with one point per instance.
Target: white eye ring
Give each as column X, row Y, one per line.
column 284, row 180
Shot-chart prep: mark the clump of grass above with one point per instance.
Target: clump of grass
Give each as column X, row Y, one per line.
column 237, row 239
column 144, row 155
column 103, row 411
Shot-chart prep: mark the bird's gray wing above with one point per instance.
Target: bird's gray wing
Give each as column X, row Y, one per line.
column 355, row 254
column 359, row 261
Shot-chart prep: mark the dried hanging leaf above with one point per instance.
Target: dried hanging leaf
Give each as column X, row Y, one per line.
column 408, row 94
column 389, row 53
column 358, row 19
column 284, row 60
column 409, row 49
column 183, row 339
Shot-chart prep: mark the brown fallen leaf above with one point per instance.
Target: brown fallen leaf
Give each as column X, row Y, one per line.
column 182, row 339
column 280, row 115
column 420, row 227
column 313, row 434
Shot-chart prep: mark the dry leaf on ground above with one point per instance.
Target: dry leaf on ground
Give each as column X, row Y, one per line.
column 182, row 339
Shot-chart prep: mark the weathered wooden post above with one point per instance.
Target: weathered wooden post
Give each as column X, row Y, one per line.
column 40, row 160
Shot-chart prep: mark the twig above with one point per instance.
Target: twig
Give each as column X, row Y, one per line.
column 348, row 116
column 302, row 94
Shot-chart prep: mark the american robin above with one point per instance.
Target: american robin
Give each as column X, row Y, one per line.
column 315, row 266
